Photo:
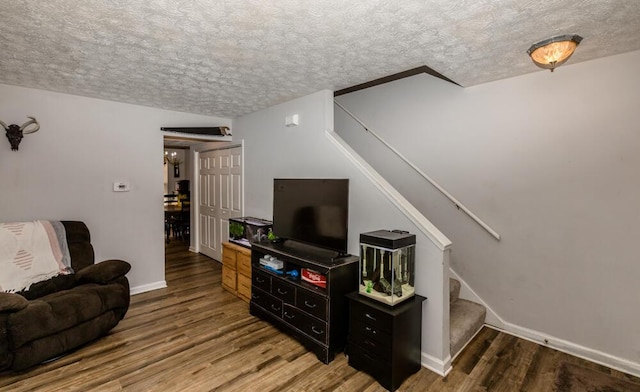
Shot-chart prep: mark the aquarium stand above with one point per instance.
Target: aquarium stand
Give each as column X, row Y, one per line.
column 385, row 341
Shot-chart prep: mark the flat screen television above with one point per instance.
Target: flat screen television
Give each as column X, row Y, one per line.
column 314, row 211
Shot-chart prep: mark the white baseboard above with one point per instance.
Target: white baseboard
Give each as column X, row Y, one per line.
column 148, row 287
column 571, row 348
column 436, row 365
column 193, row 249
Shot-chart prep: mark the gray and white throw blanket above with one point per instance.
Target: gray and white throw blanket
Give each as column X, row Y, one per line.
column 31, row 252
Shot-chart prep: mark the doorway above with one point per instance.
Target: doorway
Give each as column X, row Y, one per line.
column 178, row 174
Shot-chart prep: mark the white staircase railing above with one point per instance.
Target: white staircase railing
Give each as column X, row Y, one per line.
column 458, row 205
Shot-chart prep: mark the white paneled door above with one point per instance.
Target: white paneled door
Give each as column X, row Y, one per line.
column 221, row 195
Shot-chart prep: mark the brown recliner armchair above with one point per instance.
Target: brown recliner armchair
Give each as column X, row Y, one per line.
column 65, row 312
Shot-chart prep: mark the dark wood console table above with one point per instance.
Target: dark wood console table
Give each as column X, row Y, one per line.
column 316, row 316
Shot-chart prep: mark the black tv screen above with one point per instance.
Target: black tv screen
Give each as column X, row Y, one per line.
column 314, row 211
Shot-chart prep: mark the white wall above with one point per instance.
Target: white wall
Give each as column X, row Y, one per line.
column 272, row 150
column 66, row 170
column 550, row 161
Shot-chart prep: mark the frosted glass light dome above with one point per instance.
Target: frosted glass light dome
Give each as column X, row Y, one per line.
column 553, row 52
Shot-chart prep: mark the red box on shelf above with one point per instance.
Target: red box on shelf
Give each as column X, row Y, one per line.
column 314, row 277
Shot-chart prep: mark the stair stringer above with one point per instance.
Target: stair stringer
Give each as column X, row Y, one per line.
column 437, row 248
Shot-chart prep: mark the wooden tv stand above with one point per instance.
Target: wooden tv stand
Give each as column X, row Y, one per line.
column 315, row 316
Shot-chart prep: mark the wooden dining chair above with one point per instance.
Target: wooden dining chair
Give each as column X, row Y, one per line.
column 181, row 223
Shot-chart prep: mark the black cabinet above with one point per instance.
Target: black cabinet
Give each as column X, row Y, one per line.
column 316, row 316
column 385, row 341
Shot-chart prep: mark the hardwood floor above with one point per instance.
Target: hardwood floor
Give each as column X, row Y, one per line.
column 194, row 336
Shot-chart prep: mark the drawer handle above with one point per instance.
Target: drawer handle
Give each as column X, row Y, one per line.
column 275, row 308
column 309, row 305
column 281, row 292
column 369, row 343
column 317, row 332
column 260, row 280
column 289, row 316
column 255, row 296
column 370, row 317
column 369, row 329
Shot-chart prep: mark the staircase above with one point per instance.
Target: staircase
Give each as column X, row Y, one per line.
column 465, row 318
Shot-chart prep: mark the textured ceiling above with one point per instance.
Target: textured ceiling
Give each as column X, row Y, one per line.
column 228, row 58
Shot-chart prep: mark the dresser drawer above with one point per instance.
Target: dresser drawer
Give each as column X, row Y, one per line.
column 244, row 287
column 229, row 257
column 243, row 263
column 370, row 337
column 283, row 290
column 312, row 303
column 371, row 316
column 366, row 361
column 310, row 325
column 228, row 278
column 267, row 302
column 261, row 280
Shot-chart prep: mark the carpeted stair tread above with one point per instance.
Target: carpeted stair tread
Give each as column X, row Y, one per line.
column 465, row 319
column 454, row 290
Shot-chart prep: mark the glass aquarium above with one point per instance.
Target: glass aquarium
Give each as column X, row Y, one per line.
column 387, row 265
column 243, row 231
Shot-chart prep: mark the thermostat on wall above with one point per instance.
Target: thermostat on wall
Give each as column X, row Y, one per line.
column 121, row 187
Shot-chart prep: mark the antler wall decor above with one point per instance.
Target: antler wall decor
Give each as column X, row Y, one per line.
column 15, row 133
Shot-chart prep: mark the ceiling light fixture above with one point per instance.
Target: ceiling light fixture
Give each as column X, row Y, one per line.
column 554, row 52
